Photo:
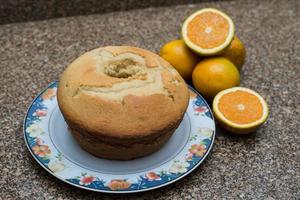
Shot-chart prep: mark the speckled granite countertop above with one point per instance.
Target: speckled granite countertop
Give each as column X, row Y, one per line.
column 32, row 10
column 264, row 165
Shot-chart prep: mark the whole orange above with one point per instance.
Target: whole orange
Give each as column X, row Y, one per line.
column 236, row 52
column 213, row 75
column 180, row 57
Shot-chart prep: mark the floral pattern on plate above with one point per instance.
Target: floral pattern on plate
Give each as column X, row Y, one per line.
column 45, row 152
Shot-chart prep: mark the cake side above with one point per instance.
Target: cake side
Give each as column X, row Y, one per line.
column 119, row 149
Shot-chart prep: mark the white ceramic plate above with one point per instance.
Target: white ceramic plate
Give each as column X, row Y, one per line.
column 53, row 147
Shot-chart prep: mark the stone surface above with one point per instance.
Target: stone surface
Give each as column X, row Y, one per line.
column 28, row 10
column 264, row 165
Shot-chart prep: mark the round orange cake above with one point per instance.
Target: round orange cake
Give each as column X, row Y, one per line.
column 122, row 102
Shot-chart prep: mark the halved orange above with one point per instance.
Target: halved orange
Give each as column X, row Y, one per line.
column 240, row 110
column 208, row 31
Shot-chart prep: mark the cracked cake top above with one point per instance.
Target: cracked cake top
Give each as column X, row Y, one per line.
column 122, row 91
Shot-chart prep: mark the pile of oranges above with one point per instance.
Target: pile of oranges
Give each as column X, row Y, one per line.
column 212, row 56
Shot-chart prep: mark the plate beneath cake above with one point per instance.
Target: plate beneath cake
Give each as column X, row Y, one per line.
column 53, row 147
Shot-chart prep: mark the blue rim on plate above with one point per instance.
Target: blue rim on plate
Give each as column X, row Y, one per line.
column 40, row 140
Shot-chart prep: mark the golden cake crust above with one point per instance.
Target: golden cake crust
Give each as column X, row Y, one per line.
column 140, row 104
